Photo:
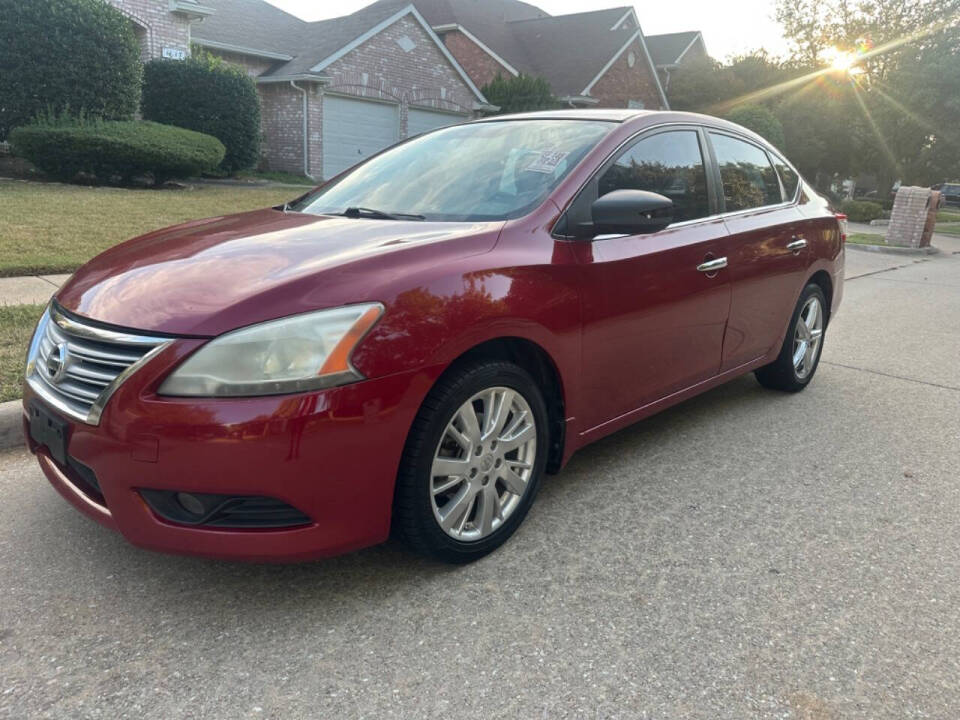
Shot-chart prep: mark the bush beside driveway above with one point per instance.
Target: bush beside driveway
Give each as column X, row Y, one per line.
column 53, row 228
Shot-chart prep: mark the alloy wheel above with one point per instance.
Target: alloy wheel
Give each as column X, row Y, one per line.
column 483, row 463
column 807, row 336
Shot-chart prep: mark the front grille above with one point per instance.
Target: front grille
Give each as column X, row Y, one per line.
column 76, row 365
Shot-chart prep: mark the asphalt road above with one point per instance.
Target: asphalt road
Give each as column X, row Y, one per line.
column 744, row 555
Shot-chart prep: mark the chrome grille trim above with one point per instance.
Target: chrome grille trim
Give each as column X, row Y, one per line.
column 99, row 361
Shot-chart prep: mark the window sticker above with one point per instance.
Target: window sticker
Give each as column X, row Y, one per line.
column 545, row 162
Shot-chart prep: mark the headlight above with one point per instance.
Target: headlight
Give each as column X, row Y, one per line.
column 295, row 354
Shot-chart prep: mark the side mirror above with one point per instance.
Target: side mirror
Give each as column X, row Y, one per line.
column 631, row 212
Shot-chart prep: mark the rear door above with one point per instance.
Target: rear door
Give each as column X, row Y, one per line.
column 652, row 322
column 767, row 251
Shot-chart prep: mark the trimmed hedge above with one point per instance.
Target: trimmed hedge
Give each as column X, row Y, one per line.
column 116, row 150
column 55, row 55
column 208, row 95
column 862, row 211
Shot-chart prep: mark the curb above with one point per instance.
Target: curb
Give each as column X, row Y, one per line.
column 11, row 426
column 892, row 249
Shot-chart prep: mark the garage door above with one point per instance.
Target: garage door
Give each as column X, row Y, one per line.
column 419, row 121
column 353, row 130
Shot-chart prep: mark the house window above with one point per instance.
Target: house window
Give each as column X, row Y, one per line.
column 635, row 104
column 631, row 59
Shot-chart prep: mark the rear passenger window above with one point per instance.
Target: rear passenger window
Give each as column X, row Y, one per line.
column 670, row 164
column 788, row 177
column 749, row 180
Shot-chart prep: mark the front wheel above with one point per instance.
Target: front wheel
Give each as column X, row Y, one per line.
column 799, row 356
column 472, row 463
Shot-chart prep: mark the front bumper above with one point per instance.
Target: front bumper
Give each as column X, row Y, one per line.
column 332, row 454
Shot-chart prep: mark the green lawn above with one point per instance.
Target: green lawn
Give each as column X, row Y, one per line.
column 53, row 228
column 948, row 216
column 948, row 228
column 866, row 239
column 16, row 324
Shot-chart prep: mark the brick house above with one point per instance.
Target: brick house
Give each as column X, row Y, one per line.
column 336, row 91
column 675, row 50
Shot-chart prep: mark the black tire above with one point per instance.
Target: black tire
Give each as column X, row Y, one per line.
column 414, row 521
column 781, row 373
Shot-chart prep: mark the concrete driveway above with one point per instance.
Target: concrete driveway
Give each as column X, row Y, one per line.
column 745, row 555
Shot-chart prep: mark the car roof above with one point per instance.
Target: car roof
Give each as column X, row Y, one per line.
column 639, row 118
column 608, row 114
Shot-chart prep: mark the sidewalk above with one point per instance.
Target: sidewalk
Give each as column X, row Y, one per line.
column 29, row 290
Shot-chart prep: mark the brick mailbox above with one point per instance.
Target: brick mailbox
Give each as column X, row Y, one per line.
column 913, row 218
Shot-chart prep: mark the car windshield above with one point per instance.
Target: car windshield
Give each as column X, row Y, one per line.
column 477, row 172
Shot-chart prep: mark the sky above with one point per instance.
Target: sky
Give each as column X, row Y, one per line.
column 729, row 27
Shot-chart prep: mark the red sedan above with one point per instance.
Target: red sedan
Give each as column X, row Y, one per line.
column 412, row 345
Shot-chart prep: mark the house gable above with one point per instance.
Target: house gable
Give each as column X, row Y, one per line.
column 401, row 63
column 624, row 53
column 480, row 62
column 409, row 16
column 621, row 84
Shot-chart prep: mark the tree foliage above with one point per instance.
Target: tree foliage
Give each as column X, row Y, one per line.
column 521, row 93
column 60, row 54
column 896, row 116
column 208, row 95
column 761, row 120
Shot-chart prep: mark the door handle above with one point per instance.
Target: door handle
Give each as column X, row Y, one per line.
column 797, row 245
column 712, row 265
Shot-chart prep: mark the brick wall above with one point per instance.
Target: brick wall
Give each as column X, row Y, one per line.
column 622, row 83
column 156, row 26
column 382, row 69
column 281, row 117
column 477, row 62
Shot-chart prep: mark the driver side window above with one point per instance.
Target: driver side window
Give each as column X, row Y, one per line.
column 670, row 164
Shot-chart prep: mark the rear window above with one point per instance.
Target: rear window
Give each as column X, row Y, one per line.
column 749, row 180
column 788, row 177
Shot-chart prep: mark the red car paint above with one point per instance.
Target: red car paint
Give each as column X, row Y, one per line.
column 628, row 324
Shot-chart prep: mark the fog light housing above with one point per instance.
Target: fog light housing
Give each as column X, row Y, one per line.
column 191, row 503
column 223, row 511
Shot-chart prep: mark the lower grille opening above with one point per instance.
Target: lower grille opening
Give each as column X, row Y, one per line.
column 223, row 511
column 85, row 479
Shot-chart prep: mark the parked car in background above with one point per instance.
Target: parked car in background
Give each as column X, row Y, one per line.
column 415, row 343
column 949, row 193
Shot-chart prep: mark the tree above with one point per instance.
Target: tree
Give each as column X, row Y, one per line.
column 901, row 103
column 210, row 96
column 56, row 55
column 522, row 93
column 759, row 119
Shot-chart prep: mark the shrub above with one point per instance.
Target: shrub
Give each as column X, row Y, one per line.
column 861, row 210
column 759, row 119
column 210, row 96
column 523, row 93
column 63, row 147
column 59, row 54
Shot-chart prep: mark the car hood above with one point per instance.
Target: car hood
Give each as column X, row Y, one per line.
column 206, row 277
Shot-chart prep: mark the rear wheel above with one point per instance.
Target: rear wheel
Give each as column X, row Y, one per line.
column 472, row 463
column 799, row 356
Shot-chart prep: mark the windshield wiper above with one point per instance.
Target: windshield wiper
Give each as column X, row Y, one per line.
column 358, row 212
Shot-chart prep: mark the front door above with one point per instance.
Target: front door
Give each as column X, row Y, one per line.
column 653, row 312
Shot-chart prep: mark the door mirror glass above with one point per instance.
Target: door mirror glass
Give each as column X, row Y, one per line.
column 631, row 212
